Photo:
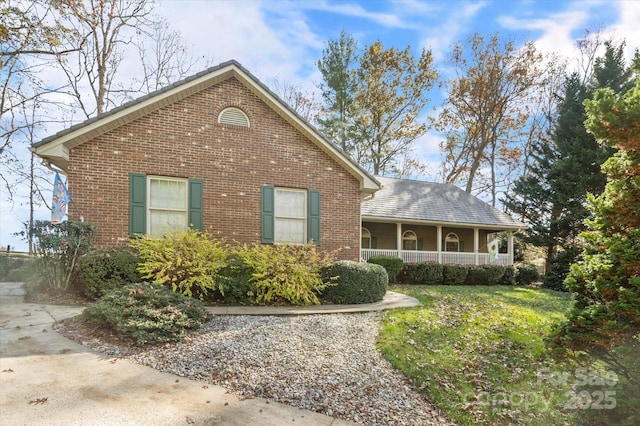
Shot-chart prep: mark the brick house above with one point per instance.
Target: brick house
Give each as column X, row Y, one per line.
column 219, row 152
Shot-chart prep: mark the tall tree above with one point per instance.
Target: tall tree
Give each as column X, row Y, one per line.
column 607, row 284
column 486, row 110
column 32, row 34
column 565, row 168
column 301, row 102
column 391, row 92
column 339, row 60
column 107, row 26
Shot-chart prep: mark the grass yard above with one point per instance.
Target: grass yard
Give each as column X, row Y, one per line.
column 479, row 353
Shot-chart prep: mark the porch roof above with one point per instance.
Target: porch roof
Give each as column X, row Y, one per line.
column 433, row 202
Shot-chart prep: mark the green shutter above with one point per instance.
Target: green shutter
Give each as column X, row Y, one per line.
column 374, row 242
column 195, row 204
column 461, row 246
column 314, row 216
column 137, row 204
column 419, row 244
column 268, row 214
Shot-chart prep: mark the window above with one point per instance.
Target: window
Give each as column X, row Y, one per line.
column 366, row 239
column 167, row 203
column 158, row 205
column 290, row 215
column 409, row 240
column 451, row 242
column 234, row 117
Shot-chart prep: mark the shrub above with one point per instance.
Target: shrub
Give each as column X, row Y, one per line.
column 106, row 269
column 484, row 275
column 189, row 262
column 454, row 274
column 282, row 273
column 59, row 248
column 391, row 264
column 429, row 273
column 509, row 277
column 147, row 313
column 355, row 282
column 527, row 275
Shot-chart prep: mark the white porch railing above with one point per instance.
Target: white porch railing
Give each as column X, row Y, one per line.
column 415, row 256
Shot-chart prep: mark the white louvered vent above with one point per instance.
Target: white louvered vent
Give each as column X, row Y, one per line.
column 234, row 117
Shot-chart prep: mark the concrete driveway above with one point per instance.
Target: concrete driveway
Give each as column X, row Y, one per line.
column 47, row 379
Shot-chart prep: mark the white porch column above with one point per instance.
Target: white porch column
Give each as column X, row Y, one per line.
column 510, row 247
column 439, row 242
column 399, row 239
column 476, row 243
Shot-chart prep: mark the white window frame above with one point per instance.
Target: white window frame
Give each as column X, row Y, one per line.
column 452, row 237
column 150, row 209
column 303, row 219
column 365, row 234
column 410, row 235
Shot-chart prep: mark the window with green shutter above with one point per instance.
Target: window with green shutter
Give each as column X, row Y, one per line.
column 290, row 215
column 160, row 205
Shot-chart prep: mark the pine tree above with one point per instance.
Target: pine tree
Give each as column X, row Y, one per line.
column 606, row 285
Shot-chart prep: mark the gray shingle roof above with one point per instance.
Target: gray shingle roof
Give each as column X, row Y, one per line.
column 433, row 202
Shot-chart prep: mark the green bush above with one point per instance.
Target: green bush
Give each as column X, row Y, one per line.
column 355, row 282
column 189, row 262
column 429, row 273
column 484, row 275
column 279, row 273
column 147, row 313
column 454, row 274
column 391, row 264
column 509, row 277
column 527, row 275
column 16, row 269
column 560, row 267
column 59, row 248
column 106, row 269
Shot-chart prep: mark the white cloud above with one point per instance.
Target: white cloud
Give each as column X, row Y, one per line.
column 557, row 30
column 440, row 38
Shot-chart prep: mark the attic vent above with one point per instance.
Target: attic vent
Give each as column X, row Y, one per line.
column 234, row 117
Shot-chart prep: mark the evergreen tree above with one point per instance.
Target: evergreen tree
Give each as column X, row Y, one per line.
column 606, row 285
column 552, row 198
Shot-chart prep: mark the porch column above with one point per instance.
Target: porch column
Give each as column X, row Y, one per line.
column 399, row 239
column 439, row 242
column 510, row 247
column 476, row 243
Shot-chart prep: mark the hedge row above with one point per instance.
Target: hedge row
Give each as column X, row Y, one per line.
column 199, row 266
column 438, row 274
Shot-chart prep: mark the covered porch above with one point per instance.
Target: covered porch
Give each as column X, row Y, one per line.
column 416, row 242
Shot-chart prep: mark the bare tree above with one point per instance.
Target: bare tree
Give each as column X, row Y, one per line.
column 107, row 26
column 487, row 108
column 301, row 102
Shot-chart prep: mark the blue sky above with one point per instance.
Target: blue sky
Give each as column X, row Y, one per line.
column 284, row 39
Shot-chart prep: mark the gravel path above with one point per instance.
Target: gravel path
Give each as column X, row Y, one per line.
column 325, row 363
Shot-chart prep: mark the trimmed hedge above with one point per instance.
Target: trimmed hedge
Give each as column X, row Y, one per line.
column 354, row 283
column 429, row 273
column 484, row 275
column 454, row 274
column 527, row 275
column 393, row 265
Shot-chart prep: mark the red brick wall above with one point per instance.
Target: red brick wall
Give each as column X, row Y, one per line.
column 184, row 140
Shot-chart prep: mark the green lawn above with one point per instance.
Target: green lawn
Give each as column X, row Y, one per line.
column 479, row 354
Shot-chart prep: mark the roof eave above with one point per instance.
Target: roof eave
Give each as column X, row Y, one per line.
column 390, row 219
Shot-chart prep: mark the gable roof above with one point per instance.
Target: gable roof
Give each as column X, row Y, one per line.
column 55, row 148
column 436, row 203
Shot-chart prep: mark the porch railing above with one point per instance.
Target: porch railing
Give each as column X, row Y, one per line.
column 418, row 256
